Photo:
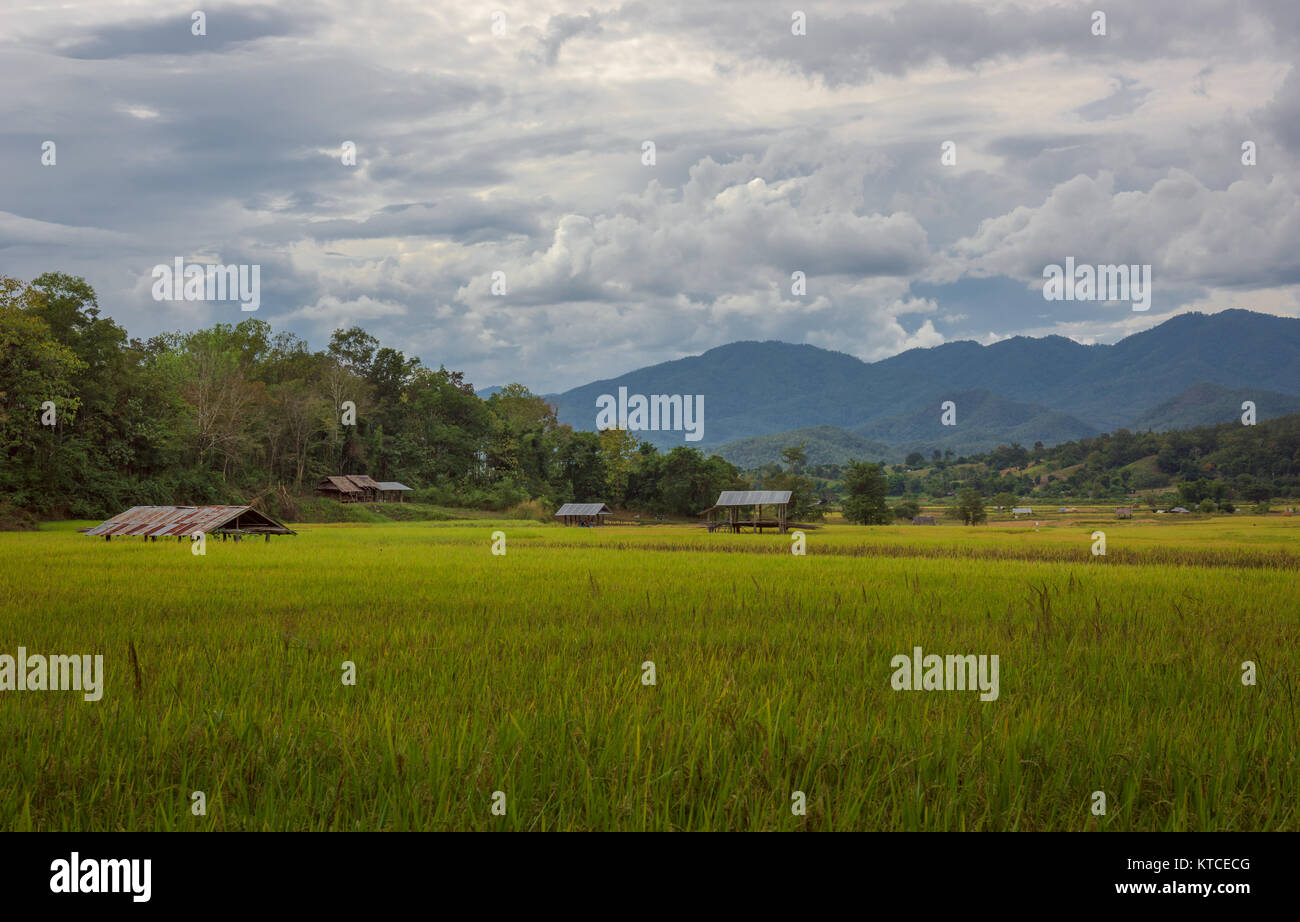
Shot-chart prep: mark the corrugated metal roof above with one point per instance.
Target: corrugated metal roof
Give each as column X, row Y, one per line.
column 387, row 485
column 157, row 521
column 752, row 498
column 342, row 484
column 583, row 509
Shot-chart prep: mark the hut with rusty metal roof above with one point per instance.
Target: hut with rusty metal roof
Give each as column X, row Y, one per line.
column 154, row 522
column 725, row 514
column 582, row 513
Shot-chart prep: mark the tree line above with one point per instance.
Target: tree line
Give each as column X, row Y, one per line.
column 93, row 421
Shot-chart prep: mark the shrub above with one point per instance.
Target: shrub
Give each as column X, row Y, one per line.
column 536, row 509
column 907, row 510
column 13, row 518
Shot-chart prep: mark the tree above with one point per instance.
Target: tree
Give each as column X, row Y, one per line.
column 794, row 456
column 915, row 459
column 970, row 507
column 866, row 488
column 1005, row 500
column 907, row 510
column 618, row 451
column 34, row 368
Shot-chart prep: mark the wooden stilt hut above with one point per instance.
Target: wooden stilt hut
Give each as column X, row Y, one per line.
column 727, row 513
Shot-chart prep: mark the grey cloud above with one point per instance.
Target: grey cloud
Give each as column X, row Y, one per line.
column 560, row 28
column 1126, row 98
column 479, row 153
column 225, row 27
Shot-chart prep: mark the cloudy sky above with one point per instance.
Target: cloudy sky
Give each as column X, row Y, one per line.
column 522, row 153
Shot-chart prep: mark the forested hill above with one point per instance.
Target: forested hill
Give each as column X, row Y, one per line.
column 1229, row 461
column 1187, row 371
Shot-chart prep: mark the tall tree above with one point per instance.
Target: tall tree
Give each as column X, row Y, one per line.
column 866, row 487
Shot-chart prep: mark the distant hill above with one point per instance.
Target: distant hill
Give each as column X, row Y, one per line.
column 1020, row 389
column 822, row 445
column 1205, row 404
column 984, row 421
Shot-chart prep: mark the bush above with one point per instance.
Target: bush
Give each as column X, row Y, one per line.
column 1207, row 505
column 536, row 509
column 907, row 510
column 1260, row 508
column 14, row 519
column 497, row 498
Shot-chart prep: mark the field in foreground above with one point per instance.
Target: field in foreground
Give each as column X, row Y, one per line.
column 523, row 674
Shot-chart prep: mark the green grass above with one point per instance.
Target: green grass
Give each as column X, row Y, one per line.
column 522, row 674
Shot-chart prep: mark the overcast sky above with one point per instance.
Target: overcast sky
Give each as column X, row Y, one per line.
column 522, row 153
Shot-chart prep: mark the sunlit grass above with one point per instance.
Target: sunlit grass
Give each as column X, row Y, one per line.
column 522, row 674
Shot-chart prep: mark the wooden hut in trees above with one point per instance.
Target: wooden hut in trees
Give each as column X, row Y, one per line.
column 588, row 514
column 369, row 488
column 727, row 514
column 349, row 488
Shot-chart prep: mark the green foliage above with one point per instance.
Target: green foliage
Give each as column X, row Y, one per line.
column 237, row 412
column 865, row 488
column 907, row 510
column 820, row 444
column 969, row 509
column 794, row 456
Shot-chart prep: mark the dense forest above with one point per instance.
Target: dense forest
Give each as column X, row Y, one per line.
column 92, row 422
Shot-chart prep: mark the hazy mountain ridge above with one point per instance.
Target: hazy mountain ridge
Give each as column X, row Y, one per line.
column 1185, row 372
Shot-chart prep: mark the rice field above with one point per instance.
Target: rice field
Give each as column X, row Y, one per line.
column 524, row 674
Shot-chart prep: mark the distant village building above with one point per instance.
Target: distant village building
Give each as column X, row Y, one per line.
column 584, row 514
column 1124, row 512
column 923, row 520
column 1180, row 510
column 1022, row 510
column 154, row 522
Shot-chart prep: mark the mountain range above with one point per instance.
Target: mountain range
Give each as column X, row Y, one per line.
column 1193, row 369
